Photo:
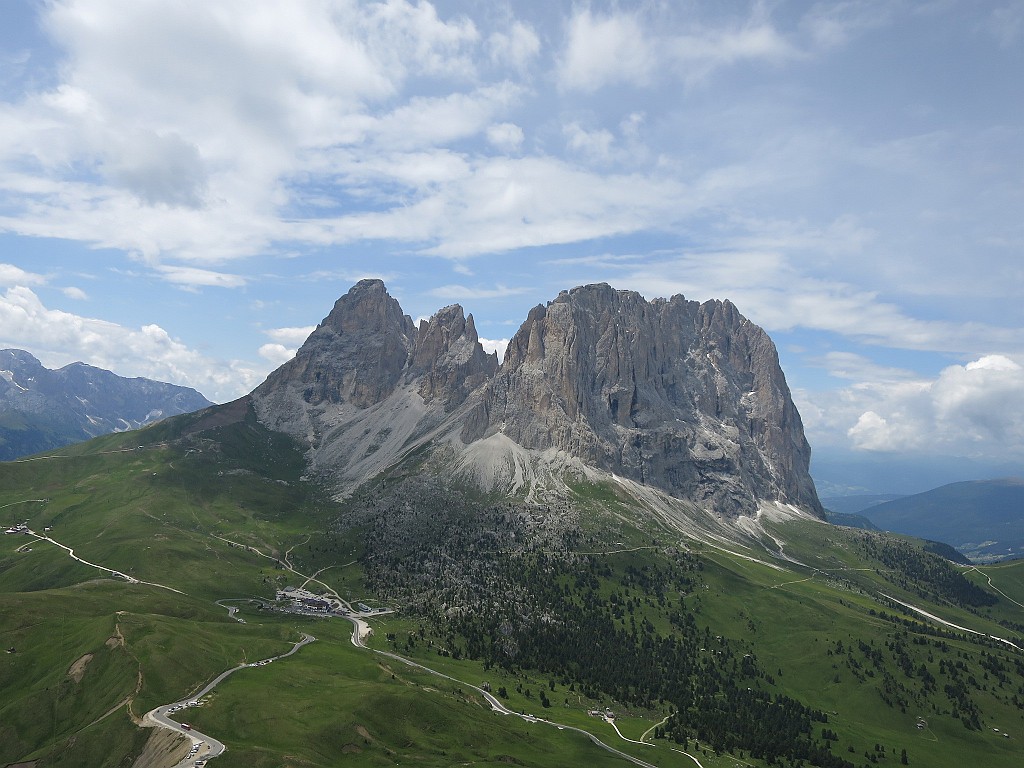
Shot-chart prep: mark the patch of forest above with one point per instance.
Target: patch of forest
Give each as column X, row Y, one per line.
column 925, row 573
column 511, row 585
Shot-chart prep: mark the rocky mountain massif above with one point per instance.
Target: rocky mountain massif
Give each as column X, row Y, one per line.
column 41, row 409
column 684, row 398
column 649, row 545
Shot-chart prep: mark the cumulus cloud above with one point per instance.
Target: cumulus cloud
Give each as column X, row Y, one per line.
column 431, row 121
column 57, row 338
column 972, row 409
column 11, row 275
column 179, row 128
column 75, row 293
column 507, row 137
column 286, row 343
column 495, row 345
column 278, row 354
column 291, row 336
column 515, row 47
column 603, row 50
column 159, row 169
column 596, row 144
column 627, row 48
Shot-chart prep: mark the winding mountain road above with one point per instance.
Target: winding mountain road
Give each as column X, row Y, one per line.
column 361, row 630
column 204, row 747
column 111, row 571
column 933, row 617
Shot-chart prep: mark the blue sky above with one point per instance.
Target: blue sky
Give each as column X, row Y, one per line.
column 187, row 187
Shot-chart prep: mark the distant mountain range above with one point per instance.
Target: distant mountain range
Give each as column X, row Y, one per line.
column 983, row 519
column 42, row 409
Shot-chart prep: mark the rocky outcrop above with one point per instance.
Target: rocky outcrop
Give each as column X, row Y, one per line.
column 356, row 355
column 366, row 348
column 448, row 358
column 367, row 385
column 685, row 397
column 41, row 409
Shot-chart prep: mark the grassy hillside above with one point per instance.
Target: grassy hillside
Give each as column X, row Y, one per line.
column 560, row 609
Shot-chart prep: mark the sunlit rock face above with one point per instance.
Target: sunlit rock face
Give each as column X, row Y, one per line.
column 686, row 397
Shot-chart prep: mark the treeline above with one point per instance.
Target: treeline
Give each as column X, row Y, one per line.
column 508, row 584
column 768, row 727
column 923, row 572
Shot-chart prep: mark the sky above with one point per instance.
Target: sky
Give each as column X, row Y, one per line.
column 186, row 188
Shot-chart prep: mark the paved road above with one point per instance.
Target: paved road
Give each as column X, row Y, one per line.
column 360, row 630
column 933, row 617
column 111, row 571
column 204, row 747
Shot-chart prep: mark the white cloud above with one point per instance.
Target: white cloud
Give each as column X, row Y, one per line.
column 1006, row 24
column 833, row 24
column 605, row 50
column 462, row 292
column 495, row 345
column 57, row 338
column 277, row 354
column 11, row 275
column 75, row 293
column 193, row 277
column 595, row 145
column 781, row 294
column 180, row 128
column 976, row 409
column 286, row 343
column 507, row 137
column 515, row 48
column 698, row 55
column 849, row 365
column 291, row 336
column 429, row 122
column 627, row 48
column 159, row 169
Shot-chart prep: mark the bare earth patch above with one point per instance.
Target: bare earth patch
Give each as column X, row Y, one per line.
column 163, row 748
column 77, row 670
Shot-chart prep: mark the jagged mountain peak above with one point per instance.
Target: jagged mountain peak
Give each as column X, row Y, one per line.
column 682, row 396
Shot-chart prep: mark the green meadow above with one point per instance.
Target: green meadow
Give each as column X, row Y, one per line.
column 227, row 515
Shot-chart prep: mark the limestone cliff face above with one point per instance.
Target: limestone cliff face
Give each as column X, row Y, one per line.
column 367, row 382
column 683, row 396
column 447, row 358
column 686, row 397
column 356, row 355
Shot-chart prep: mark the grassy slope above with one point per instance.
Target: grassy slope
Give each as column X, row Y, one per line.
column 155, row 513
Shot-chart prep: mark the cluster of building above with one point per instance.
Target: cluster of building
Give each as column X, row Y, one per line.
column 19, row 528
column 304, row 601
column 301, row 600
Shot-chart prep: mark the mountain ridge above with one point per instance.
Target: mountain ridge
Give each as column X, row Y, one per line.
column 687, row 398
column 41, row 409
column 982, row 519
